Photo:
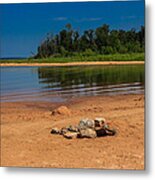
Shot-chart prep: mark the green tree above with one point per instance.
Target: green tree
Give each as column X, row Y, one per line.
column 102, row 40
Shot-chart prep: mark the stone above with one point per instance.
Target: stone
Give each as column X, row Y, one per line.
column 101, row 132
column 86, row 123
column 87, row 133
column 70, row 135
column 87, row 128
column 55, row 131
column 99, row 122
column 63, row 131
column 73, row 128
column 110, row 132
column 62, row 110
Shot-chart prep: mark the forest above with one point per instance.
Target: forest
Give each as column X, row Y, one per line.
column 100, row 41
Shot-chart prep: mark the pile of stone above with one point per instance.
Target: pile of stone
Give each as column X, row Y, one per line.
column 87, row 128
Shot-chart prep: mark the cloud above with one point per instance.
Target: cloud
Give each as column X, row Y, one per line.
column 78, row 20
column 60, row 19
column 90, row 19
column 128, row 17
column 94, row 19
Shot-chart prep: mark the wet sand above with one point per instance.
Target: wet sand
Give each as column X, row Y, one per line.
column 26, row 139
column 73, row 63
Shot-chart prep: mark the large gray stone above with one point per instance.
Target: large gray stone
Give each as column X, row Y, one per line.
column 86, row 123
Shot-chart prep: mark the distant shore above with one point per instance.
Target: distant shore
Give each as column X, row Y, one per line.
column 73, row 63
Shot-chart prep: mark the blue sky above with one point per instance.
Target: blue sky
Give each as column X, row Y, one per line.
column 24, row 26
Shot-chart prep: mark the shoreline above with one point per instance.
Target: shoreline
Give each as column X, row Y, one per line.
column 34, row 146
column 73, row 63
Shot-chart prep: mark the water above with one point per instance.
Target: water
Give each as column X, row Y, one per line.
column 58, row 84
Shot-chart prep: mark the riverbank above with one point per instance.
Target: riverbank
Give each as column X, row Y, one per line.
column 80, row 58
column 26, row 139
column 72, row 63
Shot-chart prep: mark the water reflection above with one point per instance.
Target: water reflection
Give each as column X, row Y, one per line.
column 77, row 79
column 61, row 83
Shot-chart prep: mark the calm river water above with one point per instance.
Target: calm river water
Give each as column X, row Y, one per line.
column 58, row 84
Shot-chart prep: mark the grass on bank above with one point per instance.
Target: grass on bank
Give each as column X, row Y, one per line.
column 81, row 58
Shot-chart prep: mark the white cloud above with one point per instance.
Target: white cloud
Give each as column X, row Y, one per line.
column 60, row 19
column 128, row 17
column 90, row 19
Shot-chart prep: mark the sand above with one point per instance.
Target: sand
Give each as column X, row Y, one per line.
column 73, row 63
column 26, row 140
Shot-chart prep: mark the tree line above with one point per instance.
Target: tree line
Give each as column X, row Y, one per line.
column 102, row 40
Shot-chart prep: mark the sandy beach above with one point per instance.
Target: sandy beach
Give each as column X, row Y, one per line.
column 26, row 140
column 73, row 63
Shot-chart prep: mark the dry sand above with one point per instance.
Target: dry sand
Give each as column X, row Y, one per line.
column 26, row 139
column 73, row 63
